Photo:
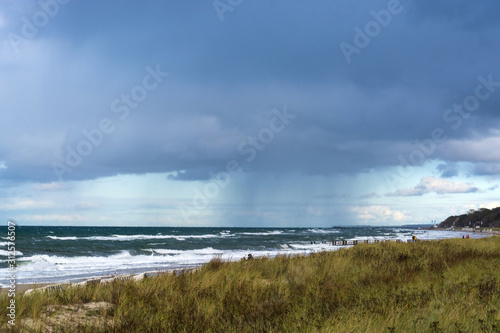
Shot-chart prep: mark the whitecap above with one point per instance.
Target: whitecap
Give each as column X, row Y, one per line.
column 6, row 253
column 62, row 238
column 141, row 237
column 323, row 231
column 269, row 233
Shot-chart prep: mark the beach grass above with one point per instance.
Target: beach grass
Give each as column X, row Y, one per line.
column 434, row 286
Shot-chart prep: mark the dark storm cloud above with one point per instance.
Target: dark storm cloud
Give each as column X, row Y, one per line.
column 461, row 13
column 448, row 170
column 227, row 76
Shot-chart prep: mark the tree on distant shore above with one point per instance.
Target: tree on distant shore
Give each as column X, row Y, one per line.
column 489, row 218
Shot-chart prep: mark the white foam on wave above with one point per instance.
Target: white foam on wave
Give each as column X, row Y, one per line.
column 306, row 247
column 400, row 236
column 362, row 238
column 52, row 267
column 205, row 251
column 6, row 253
column 323, row 231
column 3, row 243
column 403, row 230
column 45, row 267
column 269, row 233
column 142, row 237
column 62, row 238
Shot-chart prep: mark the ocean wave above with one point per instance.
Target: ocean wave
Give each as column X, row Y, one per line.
column 45, row 267
column 63, row 238
column 315, row 247
column 6, row 253
column 142, row 237
column 363, row 238
column 122, row 259
column 205, row 251
column 323, row 231
column 269, row 233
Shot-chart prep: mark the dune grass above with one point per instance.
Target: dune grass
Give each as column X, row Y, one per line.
column 439, row 286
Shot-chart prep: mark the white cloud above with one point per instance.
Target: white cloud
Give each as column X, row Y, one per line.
column 491, row 205
column 379, row 214
column 436, row 185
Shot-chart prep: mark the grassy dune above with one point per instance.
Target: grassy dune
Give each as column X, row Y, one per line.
column 440, row 286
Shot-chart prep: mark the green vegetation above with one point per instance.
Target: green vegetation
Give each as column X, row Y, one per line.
column 489, row 217
column 437, row 286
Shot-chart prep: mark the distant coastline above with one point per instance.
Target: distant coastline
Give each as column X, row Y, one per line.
column 482, row 218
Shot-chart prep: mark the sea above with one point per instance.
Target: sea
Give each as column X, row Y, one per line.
column 72, row 254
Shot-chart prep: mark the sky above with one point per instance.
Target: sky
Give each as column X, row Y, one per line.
column 238, row 113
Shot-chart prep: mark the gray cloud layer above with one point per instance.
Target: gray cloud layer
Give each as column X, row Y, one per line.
column 226, row 77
